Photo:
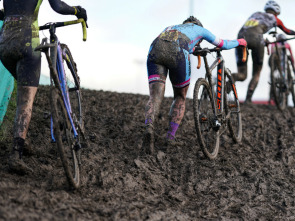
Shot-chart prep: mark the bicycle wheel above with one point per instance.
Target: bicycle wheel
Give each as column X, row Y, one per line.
column 66, row 143
column 291, row 81
column 277, row 82
column 208, row 135
column 73, row 86
column 232, row 109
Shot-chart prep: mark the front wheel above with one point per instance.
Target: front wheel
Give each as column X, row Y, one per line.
column 232, row 109
column 278, row 86
column 66, row 142
column 205, row 119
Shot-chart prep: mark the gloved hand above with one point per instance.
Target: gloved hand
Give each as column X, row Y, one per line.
column 81, row 12
column 242, row 42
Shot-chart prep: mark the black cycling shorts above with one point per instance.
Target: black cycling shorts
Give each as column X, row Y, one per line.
column 255, row 43
column 17, row 52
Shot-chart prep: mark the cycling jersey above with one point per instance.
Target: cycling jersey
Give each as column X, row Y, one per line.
column 20, row 36
column 194, row 34
column 262, row 22
column 171, row 49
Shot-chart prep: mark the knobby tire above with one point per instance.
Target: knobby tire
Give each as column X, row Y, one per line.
column 232, row 109
column 277, row 82
column 63, row 135
column 204, row 118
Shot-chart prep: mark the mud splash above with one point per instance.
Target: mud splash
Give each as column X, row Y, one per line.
column 254, row 180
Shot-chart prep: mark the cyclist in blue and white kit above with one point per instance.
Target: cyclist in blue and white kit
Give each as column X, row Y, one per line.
column 170, row 51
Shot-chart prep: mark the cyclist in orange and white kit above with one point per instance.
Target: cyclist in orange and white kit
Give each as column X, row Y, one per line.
column 19, row 37
column 257, row 24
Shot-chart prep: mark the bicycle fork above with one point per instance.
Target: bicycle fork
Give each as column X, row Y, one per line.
column 44, row 47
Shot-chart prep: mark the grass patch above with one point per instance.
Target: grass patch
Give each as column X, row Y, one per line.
column 6, row 127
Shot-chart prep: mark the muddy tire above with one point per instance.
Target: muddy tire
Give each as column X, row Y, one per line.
column 277, row 82
column 232, row 109
column 204, row 119
column 65, row 141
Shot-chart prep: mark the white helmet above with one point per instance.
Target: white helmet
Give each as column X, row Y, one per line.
column 272, row 5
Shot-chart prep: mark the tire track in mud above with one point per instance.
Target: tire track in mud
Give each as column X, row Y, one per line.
column 251, row 180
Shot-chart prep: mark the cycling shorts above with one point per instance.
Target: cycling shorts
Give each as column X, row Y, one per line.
column 255, row 43
column 17, row 51
column 168, row 55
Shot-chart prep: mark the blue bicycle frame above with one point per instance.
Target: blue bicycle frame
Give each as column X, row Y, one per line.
column 62, row 79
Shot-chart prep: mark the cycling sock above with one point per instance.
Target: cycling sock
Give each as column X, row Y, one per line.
column 148, row 121
column 172, row 130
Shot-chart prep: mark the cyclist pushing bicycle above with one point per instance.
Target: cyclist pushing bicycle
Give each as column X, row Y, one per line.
column 170, row 51
column 18, row 39
column 257, row 24
column 281, row 64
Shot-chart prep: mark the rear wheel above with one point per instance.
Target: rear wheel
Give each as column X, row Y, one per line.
column 277, row 82
column 291, row 80
column 232, row 109
column 66, row 143
column 208, row 135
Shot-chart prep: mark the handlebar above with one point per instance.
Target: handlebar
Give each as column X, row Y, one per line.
column 204, row 51
column 267, row 42
column 277, row 41
column 62, row 24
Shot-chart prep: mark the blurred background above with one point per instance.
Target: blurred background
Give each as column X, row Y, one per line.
column 120, row 33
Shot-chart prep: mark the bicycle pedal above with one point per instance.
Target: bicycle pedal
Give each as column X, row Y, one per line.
column 216, row 125
column 77, row 146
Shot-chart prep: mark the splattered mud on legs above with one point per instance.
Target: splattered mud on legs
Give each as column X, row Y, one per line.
column 176, row 111
column 25, row 99
column 242, row 75
column 152, row 108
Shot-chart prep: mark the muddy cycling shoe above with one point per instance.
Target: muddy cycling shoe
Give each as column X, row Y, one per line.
column 27, row 149
column 247, row 102
column 16, row 164
column 148, row 145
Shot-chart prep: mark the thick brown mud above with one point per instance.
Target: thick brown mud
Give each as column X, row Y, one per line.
column 247, row 181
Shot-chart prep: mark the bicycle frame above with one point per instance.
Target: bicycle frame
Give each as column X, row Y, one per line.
column 57, row 73
column 56, row 59
column 219, row 95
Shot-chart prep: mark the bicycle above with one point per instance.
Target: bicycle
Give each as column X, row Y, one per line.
column 217, row 109
column 281, row 74
column 67, row 128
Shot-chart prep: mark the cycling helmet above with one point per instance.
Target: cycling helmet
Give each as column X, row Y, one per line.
column 281, row 37
column 272, row 5
column 193, row 20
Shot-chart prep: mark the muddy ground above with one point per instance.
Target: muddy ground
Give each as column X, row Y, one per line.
column 247, row 181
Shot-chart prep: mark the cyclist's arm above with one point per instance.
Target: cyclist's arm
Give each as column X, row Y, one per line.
column 283, row 28
column 223, row 44
column 61, row 7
